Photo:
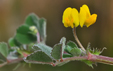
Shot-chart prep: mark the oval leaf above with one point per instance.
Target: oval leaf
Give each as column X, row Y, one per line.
column 38, row 57
column 4, row 49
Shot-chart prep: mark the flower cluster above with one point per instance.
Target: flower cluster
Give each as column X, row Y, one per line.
column 72, row 18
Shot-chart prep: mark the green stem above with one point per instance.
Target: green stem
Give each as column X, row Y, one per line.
column 76, row 38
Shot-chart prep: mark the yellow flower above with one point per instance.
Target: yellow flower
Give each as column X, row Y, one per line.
column 70, row 17
column 85, row 17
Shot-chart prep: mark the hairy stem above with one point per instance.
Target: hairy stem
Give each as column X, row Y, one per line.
column 70, row 59
column 11, row 61
column 76, row 38
column 38, row 37
column 100, row 59
column 15, row 60
column 76, row 58
column 91, row 57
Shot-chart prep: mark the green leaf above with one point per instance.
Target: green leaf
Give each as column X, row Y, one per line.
column 68, row 48
column 32, row 20
column 58, row 49
column 63, row 41
column 38, row 57
column 23, row 29
column 39, row 23
column 24, row 36
column 89, row 63
column 4, row 49
column 72, row 44
column 76, row 52
column 25, row 39
column 73, row 49
column 29, row 48
column 42, row 29
column 43, row 48
column 13, row 42
column 67, row 55
column 56, row 52
column 94, row 51
column 2, row 59
column 36, row 48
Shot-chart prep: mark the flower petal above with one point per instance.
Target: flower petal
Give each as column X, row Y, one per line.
column 86, row 8
column 66, row 13
column 82, row 16
column 91, row 20
column 75, row 17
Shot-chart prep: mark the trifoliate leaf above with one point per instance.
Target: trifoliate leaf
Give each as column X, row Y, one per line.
column 39, row 23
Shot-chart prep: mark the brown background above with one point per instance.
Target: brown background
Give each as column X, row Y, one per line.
column 14, row 12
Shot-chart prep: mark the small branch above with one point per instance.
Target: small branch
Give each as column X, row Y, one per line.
column 38, row 37
column 3, row 64
column 76, row 58
column 11, row 61
column 101, row 59
column 14, row 60
column 70, row 59
column 76, row 38
column 90, row 57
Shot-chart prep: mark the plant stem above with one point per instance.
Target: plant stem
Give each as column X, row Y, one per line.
column 76, row 58
column 3, row 64
column 100, row 59
column 11, row 61
column 15, row 60
column 90, row 57
column 70, row 59
column 38, row 37
column 76, row 38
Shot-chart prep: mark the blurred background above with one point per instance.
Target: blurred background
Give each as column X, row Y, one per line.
column 100, row 34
